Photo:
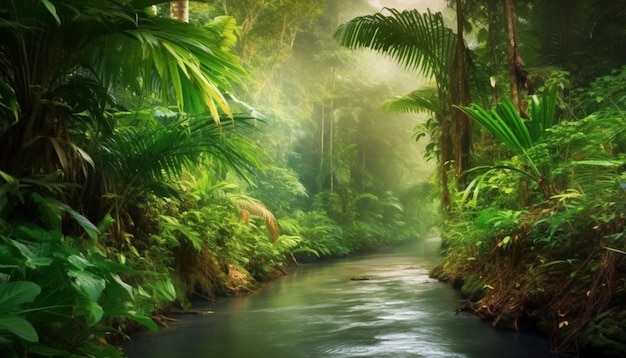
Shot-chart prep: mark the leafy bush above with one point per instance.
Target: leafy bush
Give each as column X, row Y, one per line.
column 320, row 236
column 60, row 295
column 58, row 299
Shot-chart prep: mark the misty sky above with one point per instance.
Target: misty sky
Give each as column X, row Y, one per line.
column 422, row 5
column 384, row 68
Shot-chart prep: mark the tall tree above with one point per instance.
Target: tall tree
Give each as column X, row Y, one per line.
column 580, row 34
column 421, row 43
column 460, row 96
column 518, row 78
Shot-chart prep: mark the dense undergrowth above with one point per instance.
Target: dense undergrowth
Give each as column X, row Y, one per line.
column 133, row 180
column 538, row 239
column 130, row 178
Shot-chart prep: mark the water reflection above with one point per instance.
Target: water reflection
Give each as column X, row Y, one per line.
column 318, row 311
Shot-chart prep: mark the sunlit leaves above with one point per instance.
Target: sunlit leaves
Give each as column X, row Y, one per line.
column 419, row 42
column 421, row 100
column 183, row 56
column 519, row 135
column 52, row 9
column 59, row 97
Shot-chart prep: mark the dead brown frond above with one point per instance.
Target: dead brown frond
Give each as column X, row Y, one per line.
column 249, row 206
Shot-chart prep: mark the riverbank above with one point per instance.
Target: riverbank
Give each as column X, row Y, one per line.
column 317, row 310
column 574, row 295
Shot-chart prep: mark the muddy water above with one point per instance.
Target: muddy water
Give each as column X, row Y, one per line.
column 392, row 310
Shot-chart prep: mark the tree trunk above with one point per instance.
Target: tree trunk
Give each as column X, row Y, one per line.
column 331, row 127
column 492, row 6
column 446, row 156
column 517, row 76
column 179, row 10
column 459, row 95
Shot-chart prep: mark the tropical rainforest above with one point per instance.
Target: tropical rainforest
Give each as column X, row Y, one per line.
column 153, row 153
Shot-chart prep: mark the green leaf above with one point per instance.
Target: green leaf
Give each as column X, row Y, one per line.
column 144, row 320
column 128, row 288
column 52, row 9
column 79, row 262
column 49, row 211
column 87, row 283
column 13, row 294
column 33, row 260
column 166, row 290
column 599, row 163
column 46, row 351
column 19, row 327
column 105, row 222
column 615, row 250
column 90, row 229
column 118, row 308
column 93, row 313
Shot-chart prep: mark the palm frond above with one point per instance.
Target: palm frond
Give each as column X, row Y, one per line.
column 255, row 207
column 504, row 123
column 542, row 112
column 157, row 151
column 192, row 71
column 418, row 42
column 421, row 100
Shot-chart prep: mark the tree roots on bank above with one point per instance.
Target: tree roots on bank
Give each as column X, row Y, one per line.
column 573, row 301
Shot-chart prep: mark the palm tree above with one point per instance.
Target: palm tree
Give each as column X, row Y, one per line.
column 519, row 136
column 60, row 61
column 460, row 96
column 70, row 70
column 421, row 43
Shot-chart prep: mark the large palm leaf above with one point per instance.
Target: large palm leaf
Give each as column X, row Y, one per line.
column 47, row 46
column 151, row 157
column 518, row 134
column 422, row 100
column 506, row 124
column 419, row 42
column 160, row 152
column 184, row 63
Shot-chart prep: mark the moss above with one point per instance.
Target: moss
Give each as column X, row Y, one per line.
column 473, row 287
column 605, row 334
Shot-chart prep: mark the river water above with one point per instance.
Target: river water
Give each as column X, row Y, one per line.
column 320, row 311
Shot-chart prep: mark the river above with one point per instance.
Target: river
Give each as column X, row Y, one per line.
column 319, row 310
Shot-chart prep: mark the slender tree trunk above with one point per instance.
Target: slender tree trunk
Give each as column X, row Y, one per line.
column 517, row 76
column 179, row 10
column 322, row 134
column 331, row 127
column 491, row 45
column 459, row 94
column 446, row 156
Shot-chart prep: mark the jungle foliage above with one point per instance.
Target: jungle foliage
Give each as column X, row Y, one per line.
column 146, row 162
column 533, row 221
